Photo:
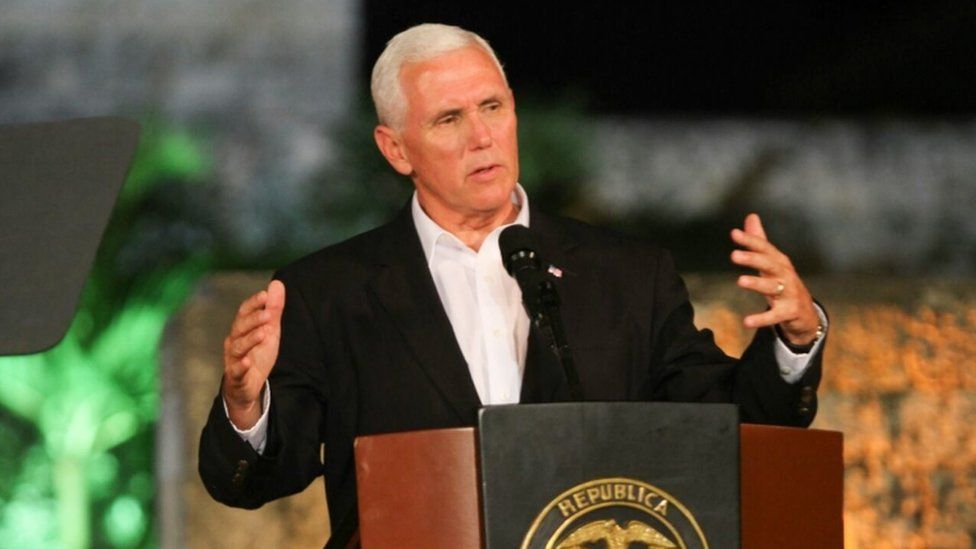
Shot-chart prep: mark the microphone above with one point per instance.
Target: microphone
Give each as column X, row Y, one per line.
column 518, row 247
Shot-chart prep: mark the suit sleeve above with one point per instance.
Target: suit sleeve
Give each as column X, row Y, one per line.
column 231, row 470
column 689, row 367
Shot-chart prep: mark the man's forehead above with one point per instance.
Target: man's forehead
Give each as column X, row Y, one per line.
column 470, row 65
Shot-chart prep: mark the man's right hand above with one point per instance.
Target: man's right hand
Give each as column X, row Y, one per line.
column 250, row 352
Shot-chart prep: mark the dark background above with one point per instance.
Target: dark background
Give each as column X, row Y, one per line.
column 748, row 58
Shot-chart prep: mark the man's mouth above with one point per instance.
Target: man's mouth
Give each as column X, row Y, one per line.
column 485, row 170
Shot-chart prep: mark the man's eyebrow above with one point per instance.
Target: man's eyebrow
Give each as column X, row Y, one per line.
column 492, row 99
column 446, row 112
column 458, row 111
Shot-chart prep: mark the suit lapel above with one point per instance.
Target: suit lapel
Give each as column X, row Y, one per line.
column 404, row 288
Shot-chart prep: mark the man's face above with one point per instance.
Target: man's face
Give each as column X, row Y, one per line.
column 458, row 141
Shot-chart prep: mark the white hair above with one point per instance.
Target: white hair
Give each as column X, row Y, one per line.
column 416, row 44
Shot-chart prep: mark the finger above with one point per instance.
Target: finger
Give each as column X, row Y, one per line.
column 769, row 287
column 246, row 323
column 237, row 369
column 753, row 226
column 751, row 241
column 767, row 318
column 276, row 300
column 252, row 303
column 759, row 261
column 240, row 346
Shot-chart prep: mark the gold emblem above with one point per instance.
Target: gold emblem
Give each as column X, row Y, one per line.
column 615, row 537
column 590, row 514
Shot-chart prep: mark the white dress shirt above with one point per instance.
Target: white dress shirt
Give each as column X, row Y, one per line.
column 484, row 305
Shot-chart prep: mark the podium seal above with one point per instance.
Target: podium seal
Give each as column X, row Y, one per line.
column 617, row 513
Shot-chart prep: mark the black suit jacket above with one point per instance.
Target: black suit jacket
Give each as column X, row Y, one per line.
column 367, row 348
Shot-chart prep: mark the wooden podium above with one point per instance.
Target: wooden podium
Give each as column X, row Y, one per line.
column 424, row 489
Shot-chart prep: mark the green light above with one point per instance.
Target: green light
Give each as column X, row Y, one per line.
column 125, row 522
column 29, row 522
column 103, row 469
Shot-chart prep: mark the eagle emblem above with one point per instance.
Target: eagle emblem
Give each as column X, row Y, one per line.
column 615, row 537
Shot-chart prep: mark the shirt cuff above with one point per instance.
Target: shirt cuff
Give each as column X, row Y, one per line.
column 792, row 365
column 257, row 435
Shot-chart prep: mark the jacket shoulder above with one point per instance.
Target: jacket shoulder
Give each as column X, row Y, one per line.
column 355, row 255
column 576, row 233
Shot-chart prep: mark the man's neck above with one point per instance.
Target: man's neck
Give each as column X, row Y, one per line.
column 474, row 228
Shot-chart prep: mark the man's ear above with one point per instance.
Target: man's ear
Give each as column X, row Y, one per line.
column 391, row 147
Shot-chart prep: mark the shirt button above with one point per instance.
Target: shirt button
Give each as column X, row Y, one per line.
column 785, row 371
column 496, row 332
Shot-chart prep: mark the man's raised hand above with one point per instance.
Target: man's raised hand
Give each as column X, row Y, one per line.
column 250, row 351
column 790, row 304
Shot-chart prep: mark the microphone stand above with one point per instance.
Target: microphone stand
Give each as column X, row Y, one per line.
column 540, row 298
column 549, row 321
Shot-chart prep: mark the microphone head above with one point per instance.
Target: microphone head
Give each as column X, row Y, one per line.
column 518, row 247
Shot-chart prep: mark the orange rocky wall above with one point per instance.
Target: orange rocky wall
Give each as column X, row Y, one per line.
column 899, row 381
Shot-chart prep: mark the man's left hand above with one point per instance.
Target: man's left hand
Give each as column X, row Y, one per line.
column 790, row 304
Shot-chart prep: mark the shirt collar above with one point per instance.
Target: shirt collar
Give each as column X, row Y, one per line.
column 429, row 231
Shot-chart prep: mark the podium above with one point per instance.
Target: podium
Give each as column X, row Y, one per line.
column 580, row 475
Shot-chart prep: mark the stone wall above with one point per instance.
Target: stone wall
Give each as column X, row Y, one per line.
column 848, row 195
column 900, row 382
column 262, row 84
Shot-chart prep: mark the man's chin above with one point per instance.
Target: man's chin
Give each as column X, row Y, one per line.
column 495, row 197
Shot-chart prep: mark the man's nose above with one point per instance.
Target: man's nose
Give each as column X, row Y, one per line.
column 480, row 133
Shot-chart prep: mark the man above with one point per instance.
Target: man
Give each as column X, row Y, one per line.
column 415, row 324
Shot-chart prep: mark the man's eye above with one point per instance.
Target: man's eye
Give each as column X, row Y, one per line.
column 444, row 121
column 491, row 107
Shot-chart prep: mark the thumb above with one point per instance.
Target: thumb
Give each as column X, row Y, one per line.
column 753, row 226
column 276, row 300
